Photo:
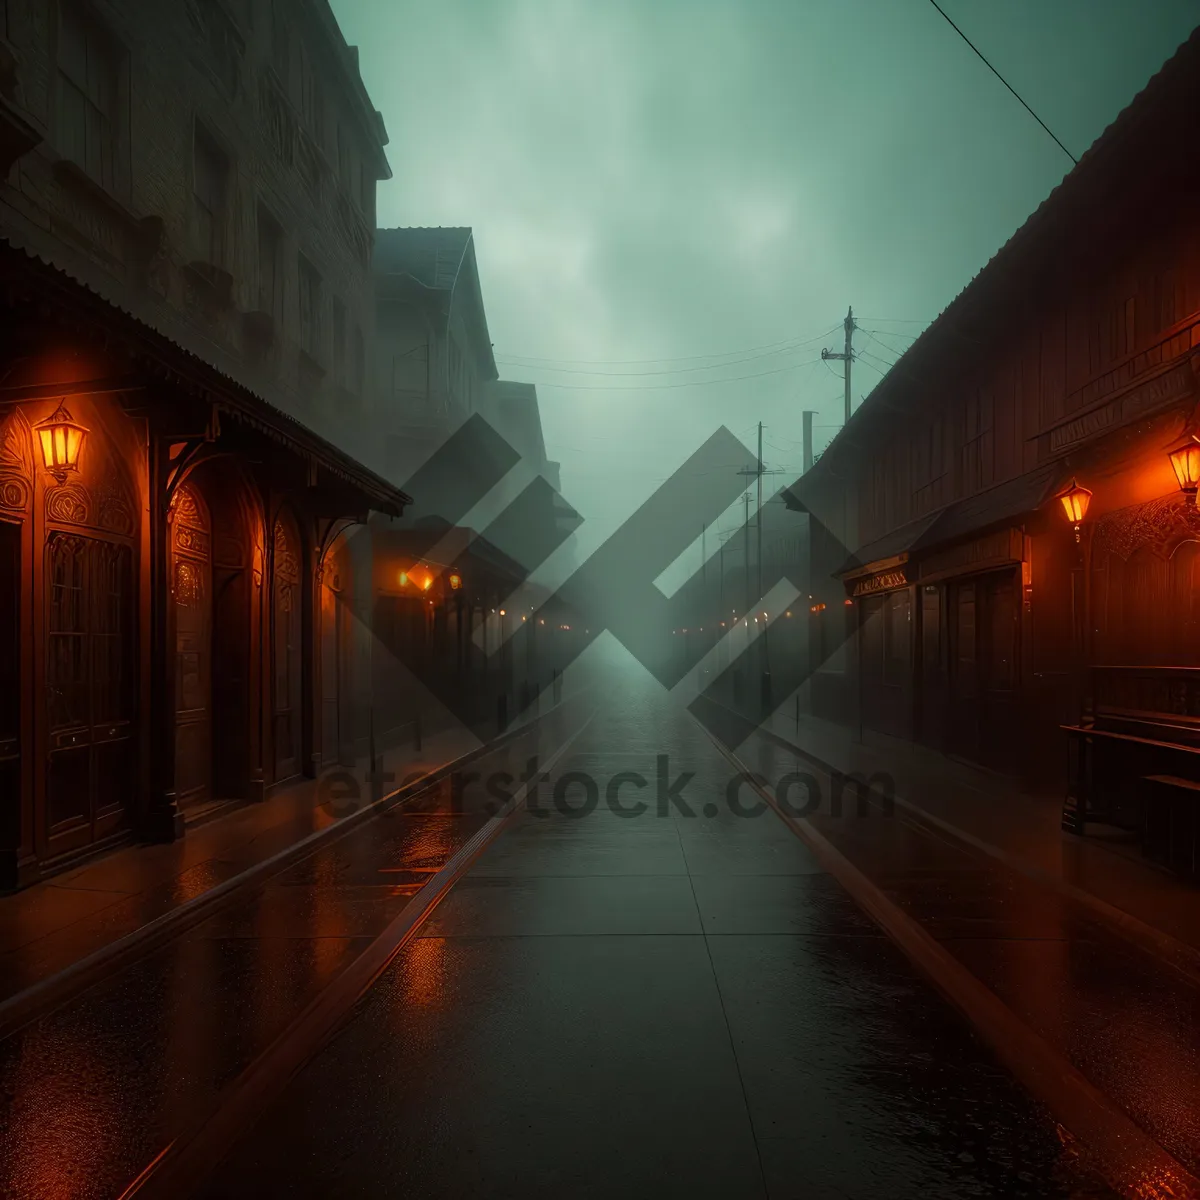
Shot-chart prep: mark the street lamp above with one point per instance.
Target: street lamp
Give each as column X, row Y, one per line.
column 61, row 438
column 1075, row 500
column 1185, row 459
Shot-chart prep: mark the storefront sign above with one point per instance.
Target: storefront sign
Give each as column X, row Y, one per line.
column 884, row 581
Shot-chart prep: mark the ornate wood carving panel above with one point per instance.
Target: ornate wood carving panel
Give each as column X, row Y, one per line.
column 1159, row 525
column 16, row 464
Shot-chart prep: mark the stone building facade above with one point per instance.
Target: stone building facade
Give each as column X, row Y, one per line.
column 209, row 166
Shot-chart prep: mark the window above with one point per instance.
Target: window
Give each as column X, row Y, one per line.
column 312, row 104
column 210, row 187
column 310, row 309
column 270, row 266
column 349, row 170
column 89, row 65
column 931, row 629
column 280, row 39
column 359, row 378
column 367, row 187
column 896, row 637
column 339, row 341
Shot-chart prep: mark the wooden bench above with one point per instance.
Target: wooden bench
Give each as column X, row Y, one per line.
column 1085, row 801
column 1171, row 821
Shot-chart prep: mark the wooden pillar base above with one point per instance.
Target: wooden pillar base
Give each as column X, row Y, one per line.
column 18, row 871
column 164, row 823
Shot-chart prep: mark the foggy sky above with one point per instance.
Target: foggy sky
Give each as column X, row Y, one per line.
column 655, row 179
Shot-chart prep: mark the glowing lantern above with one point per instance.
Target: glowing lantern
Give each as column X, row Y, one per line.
column 1186, row 461
column 62, row 439
column 428, row 583
column 403, row 578
column 455, row 582
column 1075, row 501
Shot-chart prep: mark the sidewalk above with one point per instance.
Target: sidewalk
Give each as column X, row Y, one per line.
column 1020, row 829
column 53, row 925
column 1081, row 999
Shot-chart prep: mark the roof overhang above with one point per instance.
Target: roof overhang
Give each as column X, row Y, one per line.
column 173, row 364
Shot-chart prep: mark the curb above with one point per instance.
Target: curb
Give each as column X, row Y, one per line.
column 1169, row 950
column 42, row 997
column 179, row 1168
column 1116, row 1147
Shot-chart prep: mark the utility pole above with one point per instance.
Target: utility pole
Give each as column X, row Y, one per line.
column 847, row 356
column 758, row 514
column 746, row 547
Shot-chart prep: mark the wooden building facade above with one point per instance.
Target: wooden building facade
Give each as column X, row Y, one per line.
column 979, row 618
column 172, row 568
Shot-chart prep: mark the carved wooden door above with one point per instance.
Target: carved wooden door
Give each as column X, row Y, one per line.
column 10, row 674
column 331, row 674
column 1000, row 671
column 90, row 661
column 191, row 586
column 286, row 617
column 964, row 670
column 933, row 667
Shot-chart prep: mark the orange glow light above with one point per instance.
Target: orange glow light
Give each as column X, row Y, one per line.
column 61, row 438
column 455, row 582
column 1186, row 461
column 1075, row 501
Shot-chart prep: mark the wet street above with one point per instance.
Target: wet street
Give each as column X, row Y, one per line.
column 679, row 1002
column 668, row 1000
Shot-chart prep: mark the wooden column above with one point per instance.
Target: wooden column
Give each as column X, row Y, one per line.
column 163, row 820
column 310, row 658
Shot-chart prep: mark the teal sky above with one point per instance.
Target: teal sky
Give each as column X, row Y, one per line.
column 661, row 179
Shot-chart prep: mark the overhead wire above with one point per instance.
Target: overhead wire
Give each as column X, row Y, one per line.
column 667, row 371
column 1004, row 81
column 655, row 387
column 784, row 344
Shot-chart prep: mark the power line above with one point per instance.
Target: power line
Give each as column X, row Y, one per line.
column 786, row 343
column 1005, row 82
column 889, row 333
column 884, row 345
column 867, row 362
column 668, row 371
column 655, row 387
column 877, row 358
